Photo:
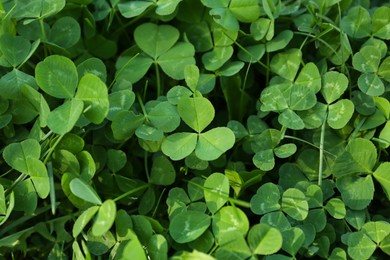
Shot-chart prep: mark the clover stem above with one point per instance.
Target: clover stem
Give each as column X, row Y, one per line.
column 321, row 159
column 146, row 166
column 43, row 36
column 52, row 189
column 141, row 103
column 158, row 79
column 122, row 69
column 140, row 188
column 51, row 150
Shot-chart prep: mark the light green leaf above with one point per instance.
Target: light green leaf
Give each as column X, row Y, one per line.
column 381, row 22
column 280, row 41
column 83, row 220
column 252, row 53
column 291, row 120
column 132, row 248
column 225, row 18
column 125, row 123
column 215, row 59
column 272, row 98
column 276, row 219
column 376, row 230
column 17, row 155
column 381, row 174
column 385, row 245
column 105, row 218
column 230, row 68
column 188, row 226
column 213, row 143
column 338, row 254
column 175, row 59
column 179, row 145
column 176, row 93
column 37, row 9
column 309, row 77
column 367, row 59
column 294, row 204
column 158, row 247
column 340, row 113
column 245, row 10
column 333, row 86
column 65, row 32
column 119, row 101
column 268, row 139
column 164, row 116
column 39, row 177
column 3, row 206
column 286, row 64
column 285, row 150
column 336, row 208
column 62, row 119
column 191, row 76
column 38, row 102
column 259, row 28
column 166, row 7
column 196, row 112
column 359, row 157
column 371, row 84
column 14, row 50
column 155, row 39
column 57, row 76
column 238, row 129
column 94, row 66
column 84, row 191
column 349, row 185
column 93, row 92
column 293, row 240
column 124, row 226
column 134, row 8
column 216, row 191
column 357, row 23
column 301, row 97
column 133, row 68
column 384, row 69
column 264, row 160
column 266, row 199
column 149, row 133
column 163, row 172
column 264, row 239
column 360, row 246
column 229, row 219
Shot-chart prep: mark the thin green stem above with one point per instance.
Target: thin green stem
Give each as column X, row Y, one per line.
column 321, row 157
column 52, row 188
column 158, row 203
column 247, row 52
column 141, row 103
column 146, row 165
column 122, row 69
column 26, row 218
column 51, row 150
column 306, row 142
column 243, row 91
column 158, row 79
column 43, row 36
column 124, row 195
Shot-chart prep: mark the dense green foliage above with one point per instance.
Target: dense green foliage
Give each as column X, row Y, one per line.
column 194, row 129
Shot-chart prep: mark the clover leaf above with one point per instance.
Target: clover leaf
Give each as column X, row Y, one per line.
column 160, row 46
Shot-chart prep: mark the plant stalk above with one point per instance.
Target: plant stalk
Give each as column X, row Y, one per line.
column 321, row 157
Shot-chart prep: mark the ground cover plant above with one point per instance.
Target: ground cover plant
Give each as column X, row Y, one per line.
column 194, row 129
